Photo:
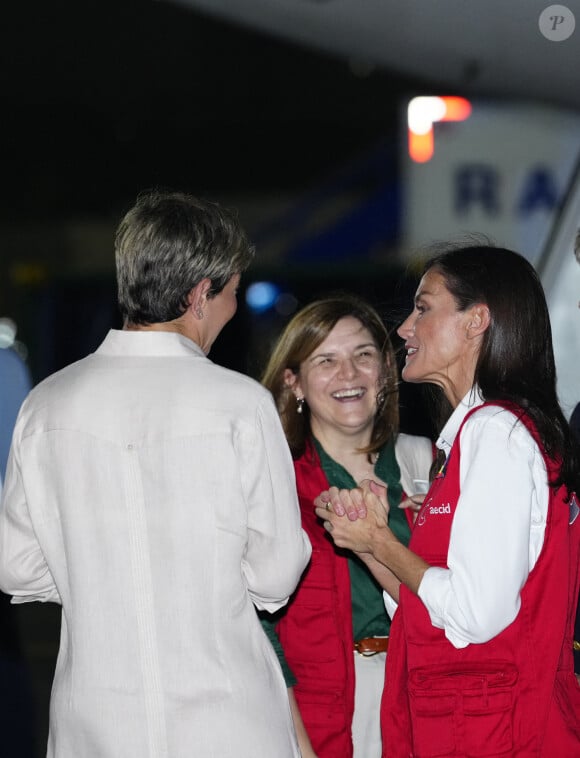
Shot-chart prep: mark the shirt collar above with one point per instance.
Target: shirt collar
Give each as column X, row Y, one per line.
column 147, row 343
column 449, row 432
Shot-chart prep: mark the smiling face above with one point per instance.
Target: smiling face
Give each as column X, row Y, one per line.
column 339, row 381
column 442, row 342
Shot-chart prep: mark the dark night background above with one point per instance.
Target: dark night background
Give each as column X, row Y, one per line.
column 103, row 99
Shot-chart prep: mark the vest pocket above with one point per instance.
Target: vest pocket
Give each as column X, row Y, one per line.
column 462, row 709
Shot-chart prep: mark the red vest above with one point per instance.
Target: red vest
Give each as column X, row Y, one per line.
column 316, row 630
column 515, row 695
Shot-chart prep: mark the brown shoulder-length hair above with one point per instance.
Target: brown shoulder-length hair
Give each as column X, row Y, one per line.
column 302, row 335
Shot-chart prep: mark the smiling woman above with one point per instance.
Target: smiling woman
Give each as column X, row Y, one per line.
column 339, row 383
column 333, row 376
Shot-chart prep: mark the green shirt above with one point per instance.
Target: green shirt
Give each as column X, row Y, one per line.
column 369, row 617
column 268, row 625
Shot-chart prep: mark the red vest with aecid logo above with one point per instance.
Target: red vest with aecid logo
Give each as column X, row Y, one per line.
column 515, row 695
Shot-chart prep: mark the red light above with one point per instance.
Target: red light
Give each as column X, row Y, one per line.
column 456, row 109
column 423, row 112
column 421, row 146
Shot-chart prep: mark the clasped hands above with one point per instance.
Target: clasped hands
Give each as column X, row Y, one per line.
column 367, row 512
column 366, row 509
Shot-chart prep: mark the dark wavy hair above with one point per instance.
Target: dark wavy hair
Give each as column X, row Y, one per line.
column 516, row 360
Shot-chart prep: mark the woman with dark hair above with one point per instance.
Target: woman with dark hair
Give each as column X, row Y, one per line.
column 480, row 658
column 334, row 378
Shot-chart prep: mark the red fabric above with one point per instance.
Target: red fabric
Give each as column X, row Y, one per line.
column 316, row 630
column 515, row 695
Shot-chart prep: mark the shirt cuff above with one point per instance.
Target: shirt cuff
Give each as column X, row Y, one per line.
column 433, row 592
column 50, row 596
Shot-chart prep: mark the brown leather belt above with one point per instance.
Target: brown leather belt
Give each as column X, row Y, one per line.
column 371, row 645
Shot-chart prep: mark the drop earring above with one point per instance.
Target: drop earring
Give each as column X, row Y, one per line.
column 381, row 398
column 299, row 404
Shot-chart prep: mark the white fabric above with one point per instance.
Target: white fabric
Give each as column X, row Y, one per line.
column 498, row 528
column 369, row 672
column 414, row 456
column 153, row 494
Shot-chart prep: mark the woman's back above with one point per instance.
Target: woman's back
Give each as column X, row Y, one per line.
column 154, row 510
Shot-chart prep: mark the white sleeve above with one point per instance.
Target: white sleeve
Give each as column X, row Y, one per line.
column 414, row 456
column 278, row 549
column 391, row 604
column 24, row 573
column 497, row 531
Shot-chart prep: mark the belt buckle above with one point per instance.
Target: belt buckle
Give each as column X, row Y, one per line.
column 364, row 647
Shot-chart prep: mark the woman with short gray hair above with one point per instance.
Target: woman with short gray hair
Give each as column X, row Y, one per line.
column 151, row 493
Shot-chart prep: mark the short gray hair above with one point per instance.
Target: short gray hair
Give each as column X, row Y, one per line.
column 165, row 245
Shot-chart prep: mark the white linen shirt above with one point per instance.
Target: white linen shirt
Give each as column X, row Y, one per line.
column 152, row 493
column 498, row 528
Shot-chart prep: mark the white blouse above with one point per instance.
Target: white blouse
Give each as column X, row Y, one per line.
column 498, row 528
column 152, row 493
